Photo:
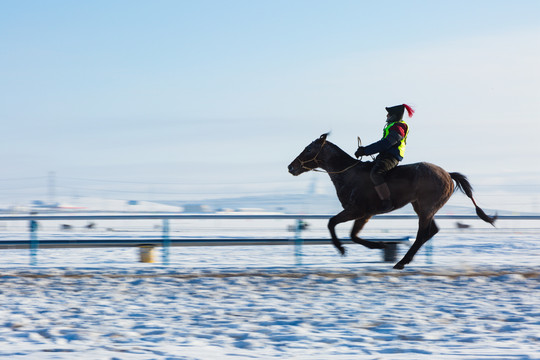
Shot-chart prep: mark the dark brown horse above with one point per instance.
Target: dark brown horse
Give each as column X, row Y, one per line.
column 426, row 186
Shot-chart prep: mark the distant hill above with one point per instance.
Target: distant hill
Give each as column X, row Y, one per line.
column 295, row 204
column 313, row 204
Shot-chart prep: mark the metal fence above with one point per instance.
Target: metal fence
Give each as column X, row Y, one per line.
column 165, row 241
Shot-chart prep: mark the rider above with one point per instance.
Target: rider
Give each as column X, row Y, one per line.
column 391, row 149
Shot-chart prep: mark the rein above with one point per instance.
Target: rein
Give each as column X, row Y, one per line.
column 317, row 162
column 338, row 172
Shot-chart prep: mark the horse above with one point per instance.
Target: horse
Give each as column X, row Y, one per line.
column 426, row 186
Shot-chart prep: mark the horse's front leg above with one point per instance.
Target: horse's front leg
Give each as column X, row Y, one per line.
column 342, row 217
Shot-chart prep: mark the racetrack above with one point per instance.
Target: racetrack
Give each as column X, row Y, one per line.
column 478, row 300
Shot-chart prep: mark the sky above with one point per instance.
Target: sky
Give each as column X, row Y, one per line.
column 189, row 99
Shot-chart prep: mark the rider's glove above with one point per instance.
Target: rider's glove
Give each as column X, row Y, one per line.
column 359, row 152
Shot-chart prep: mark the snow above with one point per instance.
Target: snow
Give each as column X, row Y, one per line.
column 477, row 297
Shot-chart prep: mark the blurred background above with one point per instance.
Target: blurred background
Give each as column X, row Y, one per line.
column 199, row 106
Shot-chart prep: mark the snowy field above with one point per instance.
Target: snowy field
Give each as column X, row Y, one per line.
column 477, row 297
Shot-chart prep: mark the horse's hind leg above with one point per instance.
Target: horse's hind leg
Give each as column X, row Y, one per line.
column 343, row 216
column 426, row 230
column 359, row 225
column 433, row 229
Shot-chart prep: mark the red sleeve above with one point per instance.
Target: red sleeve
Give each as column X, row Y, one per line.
column 400, row 128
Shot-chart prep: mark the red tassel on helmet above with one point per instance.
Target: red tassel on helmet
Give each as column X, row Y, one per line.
column 410, row 110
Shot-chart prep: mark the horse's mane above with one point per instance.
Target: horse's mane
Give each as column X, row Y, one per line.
column 337, row 148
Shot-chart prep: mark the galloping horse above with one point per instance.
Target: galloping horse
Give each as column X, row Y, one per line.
column 426, row 186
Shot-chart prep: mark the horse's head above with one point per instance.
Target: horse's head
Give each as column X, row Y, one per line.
column 308, row 159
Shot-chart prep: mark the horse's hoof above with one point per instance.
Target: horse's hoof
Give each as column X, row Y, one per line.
column 342, row 251
column 399, row 266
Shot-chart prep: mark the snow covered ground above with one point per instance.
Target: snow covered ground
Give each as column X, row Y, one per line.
column 477, row 297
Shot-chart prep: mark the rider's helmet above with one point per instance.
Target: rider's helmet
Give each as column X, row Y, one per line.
column 395, row 113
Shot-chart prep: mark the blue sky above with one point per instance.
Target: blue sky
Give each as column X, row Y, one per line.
column 175, row 98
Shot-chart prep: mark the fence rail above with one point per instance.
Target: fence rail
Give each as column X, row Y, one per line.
column 165, row 241
column 114, row 242
column 241, row 216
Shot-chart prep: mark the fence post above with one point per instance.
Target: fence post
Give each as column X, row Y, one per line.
column 429, row 252
column 166, row 241
column 298, row 242
column 33, row 226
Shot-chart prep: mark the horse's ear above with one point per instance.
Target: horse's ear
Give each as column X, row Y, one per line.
column 323, row 136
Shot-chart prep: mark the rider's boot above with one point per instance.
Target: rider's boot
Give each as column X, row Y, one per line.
column 384, row 194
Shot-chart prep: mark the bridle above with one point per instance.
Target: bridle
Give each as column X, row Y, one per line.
column 314, row 159
column 317, row 162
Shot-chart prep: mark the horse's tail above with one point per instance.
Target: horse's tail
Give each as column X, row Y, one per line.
column 464, row 185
